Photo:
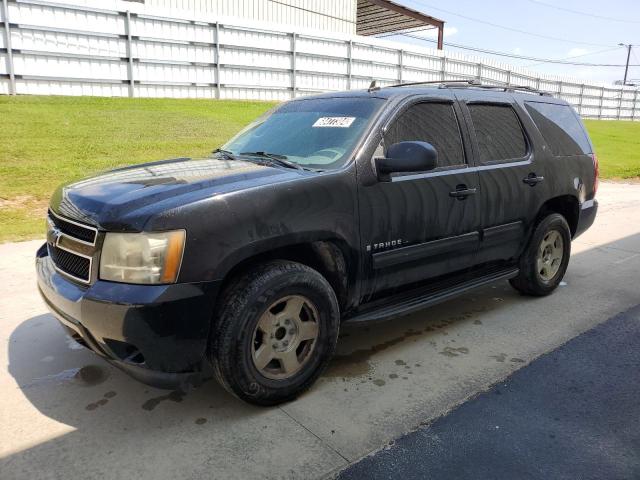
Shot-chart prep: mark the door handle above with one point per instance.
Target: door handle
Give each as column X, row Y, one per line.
column 532, row 179
column 461, row 192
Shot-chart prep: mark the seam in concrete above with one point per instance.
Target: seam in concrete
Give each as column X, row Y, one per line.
column 324, row 442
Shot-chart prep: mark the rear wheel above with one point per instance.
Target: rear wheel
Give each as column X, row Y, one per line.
column 546, row 258
column 275, row 332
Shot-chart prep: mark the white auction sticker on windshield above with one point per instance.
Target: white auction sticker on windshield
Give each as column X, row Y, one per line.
column 335, row 122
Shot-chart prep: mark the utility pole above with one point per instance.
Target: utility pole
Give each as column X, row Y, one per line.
column 626, row 68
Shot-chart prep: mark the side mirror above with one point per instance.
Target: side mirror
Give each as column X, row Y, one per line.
column 407, row 157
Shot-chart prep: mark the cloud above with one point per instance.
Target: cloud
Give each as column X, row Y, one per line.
column 517, row 51
column 576, row 52
column 433, row 33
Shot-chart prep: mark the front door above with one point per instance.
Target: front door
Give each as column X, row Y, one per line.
column 421, row 226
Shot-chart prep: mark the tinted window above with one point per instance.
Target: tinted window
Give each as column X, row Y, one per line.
column 560, row 128
column 499, row 134
column 435, row 123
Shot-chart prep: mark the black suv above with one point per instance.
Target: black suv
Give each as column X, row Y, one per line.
column 342, row 207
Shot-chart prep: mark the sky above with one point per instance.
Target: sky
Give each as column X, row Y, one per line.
column 590, row 39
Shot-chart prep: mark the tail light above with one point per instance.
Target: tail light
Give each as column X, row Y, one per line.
column 596, row 171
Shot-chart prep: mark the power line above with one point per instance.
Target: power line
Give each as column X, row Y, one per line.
column 577, row 12
column 311, row 11
column 575, row 56
column 520, row 57
column 495, row 25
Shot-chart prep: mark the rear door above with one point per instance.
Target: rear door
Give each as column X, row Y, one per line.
column 511, row 175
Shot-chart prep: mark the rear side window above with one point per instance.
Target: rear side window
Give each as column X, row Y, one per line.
column 498, row 131
column 560, row 128
column 435, row 123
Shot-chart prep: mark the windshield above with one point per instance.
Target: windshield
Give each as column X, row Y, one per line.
column 318, row 133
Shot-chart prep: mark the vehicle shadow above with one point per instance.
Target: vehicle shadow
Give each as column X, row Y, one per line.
column 92, row 401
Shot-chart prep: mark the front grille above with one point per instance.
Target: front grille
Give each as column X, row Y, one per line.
column 86, row 234
column 70, row 263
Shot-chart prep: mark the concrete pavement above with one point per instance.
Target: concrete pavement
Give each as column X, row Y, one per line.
column 572, row 413
column 64, row 412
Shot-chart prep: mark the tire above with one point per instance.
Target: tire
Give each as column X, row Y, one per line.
column 540, row 273
column 258, row 337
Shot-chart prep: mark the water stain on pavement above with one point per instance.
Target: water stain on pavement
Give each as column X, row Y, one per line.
column 357, row 363
column 175, row 396
column 454, row 352
column 92, row 374
column 88, row 375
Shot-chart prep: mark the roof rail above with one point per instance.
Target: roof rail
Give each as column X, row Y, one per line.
column 513, row 88
column 457, row 83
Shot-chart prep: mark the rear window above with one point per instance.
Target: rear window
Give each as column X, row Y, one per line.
column 435, row 123
column 498, row 131
column 560, row 128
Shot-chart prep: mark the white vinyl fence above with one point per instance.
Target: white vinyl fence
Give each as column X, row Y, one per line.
column 55, row 49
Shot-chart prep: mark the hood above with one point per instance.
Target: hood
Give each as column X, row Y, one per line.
column 125, row 198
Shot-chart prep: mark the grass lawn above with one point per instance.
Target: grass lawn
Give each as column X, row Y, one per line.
column 45, row 141
column 617, row 144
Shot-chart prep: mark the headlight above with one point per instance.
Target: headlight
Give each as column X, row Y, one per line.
column 148, row 258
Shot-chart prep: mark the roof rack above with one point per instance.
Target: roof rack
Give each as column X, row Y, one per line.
column 457, row 83
column 512, row 88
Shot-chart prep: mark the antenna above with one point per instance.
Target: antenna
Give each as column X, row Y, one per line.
column 373, row 86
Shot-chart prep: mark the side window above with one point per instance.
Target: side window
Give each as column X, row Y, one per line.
column 560, row 128
column 498, row 130
column 435, row 123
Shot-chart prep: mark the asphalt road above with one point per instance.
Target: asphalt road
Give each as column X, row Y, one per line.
column 573, row 413
column 65, row 413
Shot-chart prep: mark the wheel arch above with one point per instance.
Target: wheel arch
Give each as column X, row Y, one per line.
column 567, row 206
column 330, row 256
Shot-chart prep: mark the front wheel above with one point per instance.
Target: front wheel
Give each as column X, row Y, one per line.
column 546, row 258
column 275, row 332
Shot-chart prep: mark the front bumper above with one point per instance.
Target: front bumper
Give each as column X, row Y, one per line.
column 156, row 333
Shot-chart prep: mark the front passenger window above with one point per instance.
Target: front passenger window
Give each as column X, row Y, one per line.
column 435, row 123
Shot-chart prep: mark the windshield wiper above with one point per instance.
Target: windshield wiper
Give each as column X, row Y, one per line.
column 275, row 158
column 225, row 153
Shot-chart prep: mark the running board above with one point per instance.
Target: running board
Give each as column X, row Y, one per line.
column 423, row 299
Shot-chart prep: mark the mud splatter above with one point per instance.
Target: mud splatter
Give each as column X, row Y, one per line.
column 379, row 382
column 516, row 360
column 477, row 322
column 454, row 352
column 400, row 362
column 201, row 421
column 499, row 358
column 110, row 394
column 175, row 396
column 393, row 375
